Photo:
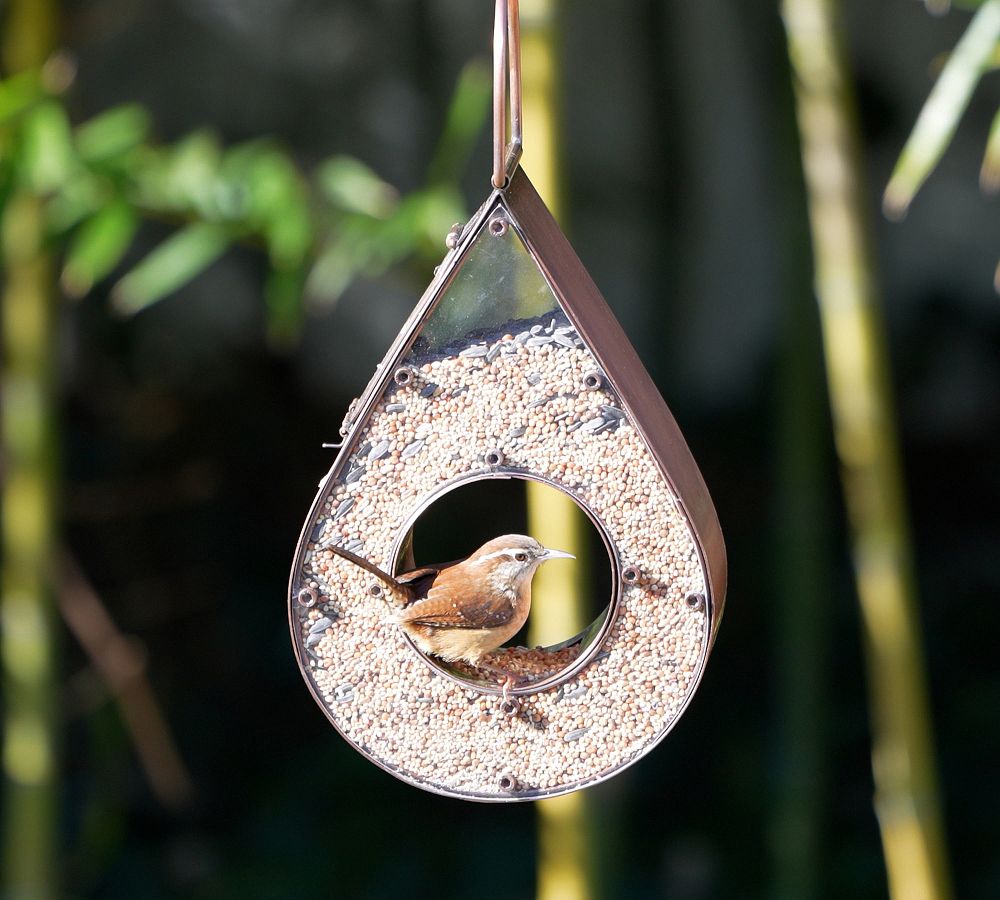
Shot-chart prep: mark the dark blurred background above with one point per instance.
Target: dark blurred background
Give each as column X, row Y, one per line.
column 192, row 448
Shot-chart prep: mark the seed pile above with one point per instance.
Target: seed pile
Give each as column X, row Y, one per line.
column 527, row 399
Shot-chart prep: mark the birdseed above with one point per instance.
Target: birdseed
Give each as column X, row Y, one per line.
column 528, row 392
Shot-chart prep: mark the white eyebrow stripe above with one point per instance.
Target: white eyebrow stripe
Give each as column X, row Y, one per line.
column 508, row 552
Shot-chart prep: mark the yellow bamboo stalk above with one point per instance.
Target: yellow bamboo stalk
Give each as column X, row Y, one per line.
column 906, row 792
column 565, row 870
column 28, row 525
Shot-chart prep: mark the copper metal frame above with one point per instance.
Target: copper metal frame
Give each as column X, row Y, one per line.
column 587, row 311
column 590, row 315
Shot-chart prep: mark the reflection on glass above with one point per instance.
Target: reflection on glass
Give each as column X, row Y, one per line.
column 497, row 285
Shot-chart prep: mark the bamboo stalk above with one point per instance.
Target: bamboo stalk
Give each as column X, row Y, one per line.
column 565, row 868
column 28, row 524
column 906, row 792
column 30, row 732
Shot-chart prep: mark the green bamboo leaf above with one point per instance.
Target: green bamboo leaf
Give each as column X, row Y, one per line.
column 170, row 266
column 463, row 123
column 335, row 268
column 283, row 306
column 112, row 133
column 98, row 246
column 989, row 174
column 47, row 150
column 353, row 187
column 947, row 101
column 19, row 93
column 190, row 175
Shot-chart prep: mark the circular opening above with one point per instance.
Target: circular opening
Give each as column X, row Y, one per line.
column 460, row 520
column 307, row 597
column 498, row 226
column 402, row 376
column 494, row 458
column 631, row 575
column 592, row 381
column 695, row 600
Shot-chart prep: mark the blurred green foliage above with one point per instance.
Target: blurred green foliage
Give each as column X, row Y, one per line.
column 976, row 55
column 319, row 229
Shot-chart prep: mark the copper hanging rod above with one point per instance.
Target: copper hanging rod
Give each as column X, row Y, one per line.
column 506, row 76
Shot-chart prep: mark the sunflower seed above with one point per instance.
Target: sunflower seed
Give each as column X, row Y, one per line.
column 354, row 475
column 395, row 407
column 412, row 449
column 533, row 378
column 313, row 639
column 474, row 351
column 379, row 451
column 345, row 507
column 320, row 625
column 428, row 390
column 575, row 735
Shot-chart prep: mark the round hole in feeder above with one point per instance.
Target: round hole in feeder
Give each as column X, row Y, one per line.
column 694, row 601
column 464, row 515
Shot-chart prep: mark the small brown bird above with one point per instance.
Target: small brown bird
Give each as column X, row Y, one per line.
column 464, row 610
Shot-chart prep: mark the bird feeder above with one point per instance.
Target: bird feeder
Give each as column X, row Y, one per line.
column 511, row 366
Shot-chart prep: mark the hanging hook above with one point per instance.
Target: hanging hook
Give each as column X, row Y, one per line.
column 506, row 76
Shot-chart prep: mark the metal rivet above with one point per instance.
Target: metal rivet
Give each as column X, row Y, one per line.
column 454, row 236
column 402, row 376
column 694, row 601
column 494, row 458
column 498, row 226
column 375, row 590
column 510, row 707
column 593, row 380
column 631, row 575
column 307, row 597
column 507, row 783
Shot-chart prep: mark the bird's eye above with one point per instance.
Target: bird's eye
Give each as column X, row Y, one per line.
column 521, row 557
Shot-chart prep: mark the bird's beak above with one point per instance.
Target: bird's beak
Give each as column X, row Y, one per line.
column 557, row 554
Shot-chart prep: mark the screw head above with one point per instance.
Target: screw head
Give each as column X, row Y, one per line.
column 593, row 381
column 375, row 590
column 694, row 601
column 631, row 575
column 510, row 707
column 307, row 597
column 498, row 226
column 454, row 236
column 402, row 376
column 507, row 783
column 494, row 458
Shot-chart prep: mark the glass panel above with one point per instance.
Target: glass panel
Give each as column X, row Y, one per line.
column 498, row 289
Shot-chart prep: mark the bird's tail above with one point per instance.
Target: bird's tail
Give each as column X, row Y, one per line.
column 397, row 592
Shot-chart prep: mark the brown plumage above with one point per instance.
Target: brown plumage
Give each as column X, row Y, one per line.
column 464, row 610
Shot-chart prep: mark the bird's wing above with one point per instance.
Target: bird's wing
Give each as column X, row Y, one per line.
column 441, row 610
column 421, row 581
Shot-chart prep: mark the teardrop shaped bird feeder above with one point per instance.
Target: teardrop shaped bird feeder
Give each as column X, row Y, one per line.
column 510, row 366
